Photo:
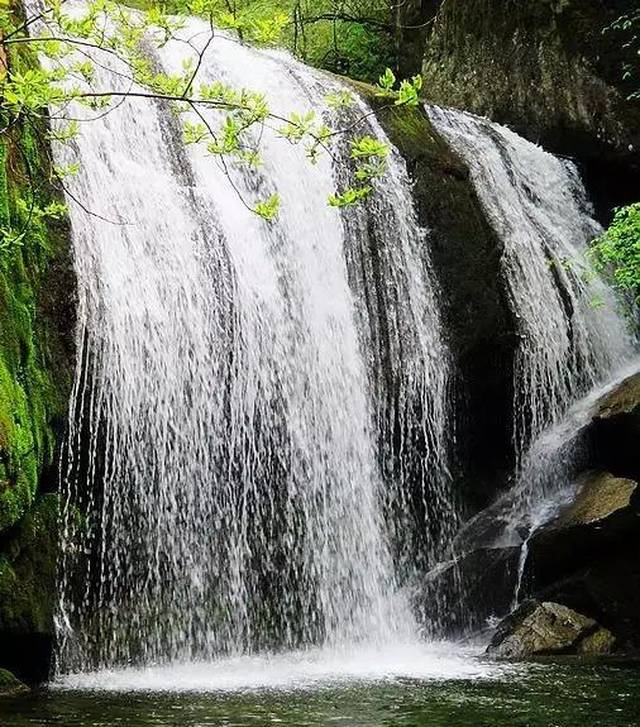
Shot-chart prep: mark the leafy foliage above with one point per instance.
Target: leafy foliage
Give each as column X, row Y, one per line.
column 617, row 251
column 627, row 27
column 228, row 122
column 351, row 37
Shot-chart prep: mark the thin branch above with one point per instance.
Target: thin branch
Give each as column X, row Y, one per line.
column 200, row 57
column 345, row 18
column 29, row 21
column 45, row 146
column 221, row 159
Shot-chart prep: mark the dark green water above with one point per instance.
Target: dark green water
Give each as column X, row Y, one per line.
column 542, row 696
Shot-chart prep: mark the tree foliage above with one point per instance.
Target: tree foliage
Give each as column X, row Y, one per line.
column 350, row 37
column 617, row 251
column 627, row 28
column 69, row 45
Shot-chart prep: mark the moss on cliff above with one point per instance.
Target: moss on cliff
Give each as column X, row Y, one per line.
column 37, row 306
column 35, row 349
column 27, row 570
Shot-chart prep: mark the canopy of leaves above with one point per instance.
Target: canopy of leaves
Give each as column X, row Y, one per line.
column 228, row 122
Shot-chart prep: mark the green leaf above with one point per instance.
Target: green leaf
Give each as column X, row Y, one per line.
column 387, row 80
column 268, row 209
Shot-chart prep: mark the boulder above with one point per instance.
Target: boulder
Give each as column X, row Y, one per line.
column 587, row 558
column 603, row 518
column 474, row 591
column 545, row 628
column 481, row 330
column 28, row 555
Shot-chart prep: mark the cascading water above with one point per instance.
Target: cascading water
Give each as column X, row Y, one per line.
column 236, row 385
column 572, row 339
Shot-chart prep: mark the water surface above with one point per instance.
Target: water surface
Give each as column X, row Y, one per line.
column 482, row 695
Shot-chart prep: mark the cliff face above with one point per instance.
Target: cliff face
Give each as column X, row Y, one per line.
column 36, row 362
column 548, row 69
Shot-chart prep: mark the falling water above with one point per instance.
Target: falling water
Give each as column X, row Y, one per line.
column 243, row 404
column 571, row 337
column 572, row 341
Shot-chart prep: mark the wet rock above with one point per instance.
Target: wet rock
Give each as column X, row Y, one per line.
column 9, row 685
column 28, row 554
column 602, row 520
column 482, row 333
column 546, row 628
column 586, row 559
column 599, row 643
column 615, row 430
column 477, row 589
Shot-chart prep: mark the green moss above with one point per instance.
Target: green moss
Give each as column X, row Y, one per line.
column 34, row 357
column 9, row 685
column 27, row 570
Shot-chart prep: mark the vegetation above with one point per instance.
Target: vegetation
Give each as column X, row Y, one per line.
column 627, row 27
column 350, row 37
column 618, row 250
column 31, row 394
column 67, row 42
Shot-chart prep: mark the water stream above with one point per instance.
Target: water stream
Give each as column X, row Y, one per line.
column 260, row 408
column 573, row 344
column 571, row 336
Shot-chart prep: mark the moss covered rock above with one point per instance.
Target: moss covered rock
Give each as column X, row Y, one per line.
column 37, row 306
column 35, row 350
column 544, row 629
column 28, row 591
column 615, row 430
column 10, row 685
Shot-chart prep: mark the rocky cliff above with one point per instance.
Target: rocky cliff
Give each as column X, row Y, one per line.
column 36, row 363
column 550, row 70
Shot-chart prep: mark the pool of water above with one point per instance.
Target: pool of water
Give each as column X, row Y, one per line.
column 325, row 690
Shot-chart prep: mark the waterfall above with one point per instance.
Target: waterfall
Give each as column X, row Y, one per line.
column 572, row 342
column 571, row 337
column 258, row 424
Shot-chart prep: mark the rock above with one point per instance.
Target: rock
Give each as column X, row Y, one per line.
column 587, row 559
column 600, row 496
column 474, row 591
column 9, row 685
column 599, row 643
column 477, row 316
column 543, row 629
column 602, row 520
column 37, row 335
column 615, row 430
column 623, row 400
column 27, row 592
column 547, row 69
column 413, row 20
